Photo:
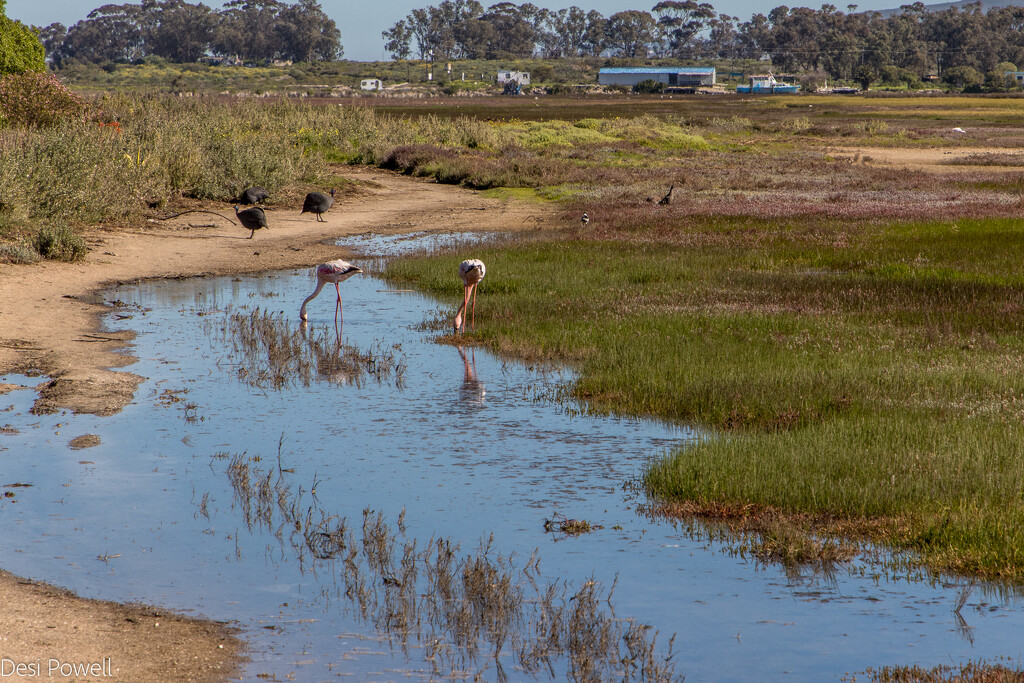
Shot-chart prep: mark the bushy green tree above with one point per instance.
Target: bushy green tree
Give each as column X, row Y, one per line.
column 962, row 77
column 1001, row 77
column 865, row 75
column 20, row 48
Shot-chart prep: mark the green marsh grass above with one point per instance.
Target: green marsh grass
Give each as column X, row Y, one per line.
column 873, row 375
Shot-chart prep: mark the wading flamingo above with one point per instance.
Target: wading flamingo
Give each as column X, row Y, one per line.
column 472, row 272
column 332, row 271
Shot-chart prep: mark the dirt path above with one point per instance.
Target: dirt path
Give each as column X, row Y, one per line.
column 937, row 159
column 50, row 323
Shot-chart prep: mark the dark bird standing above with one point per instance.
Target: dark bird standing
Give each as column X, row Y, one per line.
column 318, row 203
column 667, row 199
column 253, row 195
column 252, row 219
column 584, row 219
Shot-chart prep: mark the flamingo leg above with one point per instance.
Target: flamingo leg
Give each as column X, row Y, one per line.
column 474, row 308
column 460, row 323
column 338, row 308
column 465, row 306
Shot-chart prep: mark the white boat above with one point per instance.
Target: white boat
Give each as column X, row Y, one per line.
column 766, row 83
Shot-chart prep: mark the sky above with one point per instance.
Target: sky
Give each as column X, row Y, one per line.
column 361, row 25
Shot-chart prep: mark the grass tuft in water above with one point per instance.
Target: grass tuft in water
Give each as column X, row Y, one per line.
column 271, row 353
column 466, row 612
column 969, row 672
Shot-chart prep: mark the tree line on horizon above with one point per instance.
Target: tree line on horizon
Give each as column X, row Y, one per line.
column 962, row 45
column 912, row 43
column 178, row 31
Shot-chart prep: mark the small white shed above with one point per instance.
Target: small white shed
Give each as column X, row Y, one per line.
column 520, row 77
column 371, row 84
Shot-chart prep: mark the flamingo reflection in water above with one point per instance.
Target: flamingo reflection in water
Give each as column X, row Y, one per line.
column 328, row 355
column 472, row 389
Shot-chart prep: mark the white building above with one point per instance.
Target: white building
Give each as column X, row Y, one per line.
column 672, row 76
column 371, row 84
column 520, row 77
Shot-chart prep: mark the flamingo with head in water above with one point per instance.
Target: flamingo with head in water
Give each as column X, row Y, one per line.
column 335, row 272
column 472, row 272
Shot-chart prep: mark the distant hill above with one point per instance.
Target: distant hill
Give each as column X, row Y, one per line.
column 986, row 5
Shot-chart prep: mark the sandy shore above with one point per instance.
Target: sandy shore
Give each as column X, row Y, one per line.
column 50, row 323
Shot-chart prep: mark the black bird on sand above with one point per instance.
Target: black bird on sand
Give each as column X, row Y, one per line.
column 254, row 195
column 318, row 203
column 252, row 219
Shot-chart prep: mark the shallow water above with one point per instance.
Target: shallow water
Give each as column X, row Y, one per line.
column 467, row 445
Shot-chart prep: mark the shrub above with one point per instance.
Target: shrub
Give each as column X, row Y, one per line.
column 649, row 86
column 60, row 244
column 542, row 73
column 560, row 89
column 455, row 87
column 411, row 158
column 37, row 100
column 894, row 76
column 1001, row 77
column 18, row 252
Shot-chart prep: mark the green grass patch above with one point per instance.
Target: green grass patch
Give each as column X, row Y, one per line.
column 877, row 379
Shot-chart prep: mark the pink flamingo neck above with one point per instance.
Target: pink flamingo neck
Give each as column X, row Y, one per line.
column 319, row 285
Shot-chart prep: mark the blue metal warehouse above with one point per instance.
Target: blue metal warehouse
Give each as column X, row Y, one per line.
column 688, row 76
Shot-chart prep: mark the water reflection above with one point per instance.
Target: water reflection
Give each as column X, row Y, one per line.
column 472, row 391
column 269, row 352
column 462, row 612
